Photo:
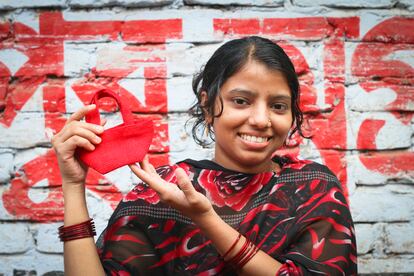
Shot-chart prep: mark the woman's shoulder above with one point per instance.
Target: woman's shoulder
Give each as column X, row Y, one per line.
column 310, row 181
column 301, row 171
column 294, row 164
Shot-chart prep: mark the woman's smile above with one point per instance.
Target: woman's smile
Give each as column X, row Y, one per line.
column 254, row 139
column 254, row 142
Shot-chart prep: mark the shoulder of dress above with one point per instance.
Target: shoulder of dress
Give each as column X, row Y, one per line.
column 293, row 162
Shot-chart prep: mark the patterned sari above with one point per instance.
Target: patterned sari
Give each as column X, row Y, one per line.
column 299, row 216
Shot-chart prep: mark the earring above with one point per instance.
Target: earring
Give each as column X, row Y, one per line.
column 206, row 130
column 287, row 142
column 269, row 123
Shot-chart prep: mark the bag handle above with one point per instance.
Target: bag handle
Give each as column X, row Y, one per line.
column 94, row 117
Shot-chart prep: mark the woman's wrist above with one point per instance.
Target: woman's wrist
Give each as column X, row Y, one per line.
column 73, row 188
column 208, row 220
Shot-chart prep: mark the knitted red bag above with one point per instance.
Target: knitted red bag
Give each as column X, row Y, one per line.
column 121, row 145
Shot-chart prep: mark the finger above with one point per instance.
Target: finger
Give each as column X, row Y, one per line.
column 144, row 163
column 103, row 121
column 147, row 166
column 82, row 129
column 154, row 181
column 86, row 130
column 78, row 115
column 76, row 141
column 184, row 183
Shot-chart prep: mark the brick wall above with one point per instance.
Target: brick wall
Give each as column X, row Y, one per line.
column 355, row 60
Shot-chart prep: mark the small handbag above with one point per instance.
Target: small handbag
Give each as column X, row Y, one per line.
column 121, row 145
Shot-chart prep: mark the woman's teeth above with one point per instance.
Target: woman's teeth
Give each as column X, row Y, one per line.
column 254, row 139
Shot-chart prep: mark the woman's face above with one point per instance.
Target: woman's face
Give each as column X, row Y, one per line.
column 252, row 97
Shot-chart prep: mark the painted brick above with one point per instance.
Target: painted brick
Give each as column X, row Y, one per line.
column 375, row 130
column 11, row 4
column 399, row 238
column 6, row 165
column 405, row 189
column 5, row 28
column 359, row 173
column 365, row 203
column 380, row 96
column 395, row 30
column 32, row 57
column 409, row 4
column 396, row 165
column 24, row 156
column 121, row 178
column 111, row 59
column 152, row 30
column 263, row 3
column 380, row 60
column 15, row 238
column 33, row 263
column 122, row 3
column 79, row 58
column 24, row 125
column 392, row 264
column 4, row 213
column 184, row 59
column 46, row 236
column 180, row 94
column 182, row 144
column 369, row 237
column 348, row 4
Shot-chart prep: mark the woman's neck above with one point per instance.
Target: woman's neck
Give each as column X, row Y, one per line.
column 269, row 166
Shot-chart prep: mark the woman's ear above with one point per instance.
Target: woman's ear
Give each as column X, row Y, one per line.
column 203, row 103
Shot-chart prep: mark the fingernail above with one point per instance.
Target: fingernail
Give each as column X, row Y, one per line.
column 98, row 139
column 99, row 128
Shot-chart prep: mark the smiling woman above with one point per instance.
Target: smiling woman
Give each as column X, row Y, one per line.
column 255, row 119
column 247, row 211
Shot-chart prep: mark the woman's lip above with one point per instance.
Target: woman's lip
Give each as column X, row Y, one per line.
column 268, row 137
column 255, row 145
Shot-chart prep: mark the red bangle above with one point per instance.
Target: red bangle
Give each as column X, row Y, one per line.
column 234, row 261
column 81, row 230
column 249, row 256
column 232, row 246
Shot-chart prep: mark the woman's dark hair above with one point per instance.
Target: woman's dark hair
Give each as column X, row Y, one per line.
column 227, row 61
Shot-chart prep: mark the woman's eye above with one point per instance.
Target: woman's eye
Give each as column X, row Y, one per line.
column 240, row 101
column 280, row 107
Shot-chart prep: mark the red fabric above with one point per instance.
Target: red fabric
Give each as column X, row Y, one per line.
column 121, row 145
column 298, row 216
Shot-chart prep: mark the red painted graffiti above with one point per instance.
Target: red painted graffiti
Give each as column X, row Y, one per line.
column 138, row 72
column 383, row 62
column 34, row 193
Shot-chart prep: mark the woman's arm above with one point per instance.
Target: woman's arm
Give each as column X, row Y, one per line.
column 80, row 256
column 198, row 208
column 223, row 236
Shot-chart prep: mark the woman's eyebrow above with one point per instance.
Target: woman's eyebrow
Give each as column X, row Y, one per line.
column 281, row 97
column 242, row 91
column 250, row 93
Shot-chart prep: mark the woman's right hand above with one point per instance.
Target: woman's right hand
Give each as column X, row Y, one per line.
column 75, row 134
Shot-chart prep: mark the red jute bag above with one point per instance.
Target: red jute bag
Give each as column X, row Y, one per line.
column 121, row 145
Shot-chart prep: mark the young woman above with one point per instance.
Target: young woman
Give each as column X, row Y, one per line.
column 246, row 212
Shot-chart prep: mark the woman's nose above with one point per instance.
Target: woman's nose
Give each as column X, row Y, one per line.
column 259, row 117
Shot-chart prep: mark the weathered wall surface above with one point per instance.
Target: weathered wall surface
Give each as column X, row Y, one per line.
column 355, row 60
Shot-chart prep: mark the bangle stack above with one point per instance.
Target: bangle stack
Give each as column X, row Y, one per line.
column 81, row 230
column 245, row 254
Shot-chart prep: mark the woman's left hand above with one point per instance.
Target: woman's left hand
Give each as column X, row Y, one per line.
column 182, row 197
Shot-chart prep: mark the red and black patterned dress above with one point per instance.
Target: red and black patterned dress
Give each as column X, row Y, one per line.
column 299, row 216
